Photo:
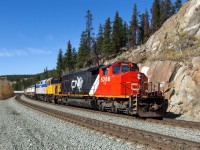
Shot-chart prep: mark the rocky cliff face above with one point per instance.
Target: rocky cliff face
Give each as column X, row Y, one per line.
column 6, row 90
column 180, row 83
column 172, row 56
column 186, row 21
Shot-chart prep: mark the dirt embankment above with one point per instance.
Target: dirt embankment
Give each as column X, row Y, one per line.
column 6, row 90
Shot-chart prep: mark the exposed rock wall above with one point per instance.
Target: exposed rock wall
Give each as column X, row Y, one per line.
column 186, row 20
column 6, row 90
column 180, row 78
column 180, row 83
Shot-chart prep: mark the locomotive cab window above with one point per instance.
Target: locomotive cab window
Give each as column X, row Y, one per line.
column 116, row 69
column 125, row 68
column 105, row 71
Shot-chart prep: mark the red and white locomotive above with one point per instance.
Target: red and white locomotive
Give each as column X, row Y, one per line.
column 117, row 87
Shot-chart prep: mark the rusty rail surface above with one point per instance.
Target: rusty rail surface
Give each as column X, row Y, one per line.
column 125, row 133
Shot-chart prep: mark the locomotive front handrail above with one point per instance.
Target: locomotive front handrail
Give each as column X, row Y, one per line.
column 154, row 89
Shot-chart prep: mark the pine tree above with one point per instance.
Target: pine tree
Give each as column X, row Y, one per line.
column 177, row 5
column 125, row 34
column 95, row 55
column 74, row 58
column 45, row 74
column 69, row 58
column 132, row 41
column 141, row 29
column 99, row 40
column 89, row 28
column 155, row 10
column 59, row 66
column 85, row 47
column 117, row 35
column 146, row 27
column 83, row 51
column 166, row 10
column 107, row 43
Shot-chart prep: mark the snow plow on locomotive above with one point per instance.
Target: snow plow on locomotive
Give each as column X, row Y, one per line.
column 117, row 87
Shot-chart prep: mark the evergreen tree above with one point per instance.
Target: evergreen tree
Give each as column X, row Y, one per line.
column 95, row 54
column 166, row 10
column 117, row 35
column 132, row 41
column 177, row 5
column 99, row 40
column 69, row 58
column 141, row 29
column 85, row 48
column 125, row 34
column 45, row 74
column 89, row 28
column 60, row 64
column 162, row 11
column 83, row 51
column 155, row 10
column 74, row 56
column 146, row 26
column 107, row 43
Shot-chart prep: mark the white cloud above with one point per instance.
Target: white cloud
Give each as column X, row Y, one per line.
column 25, row 52
column 38, row 51
column 5, row 53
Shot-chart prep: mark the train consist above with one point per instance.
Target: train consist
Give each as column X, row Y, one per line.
column 117, row 87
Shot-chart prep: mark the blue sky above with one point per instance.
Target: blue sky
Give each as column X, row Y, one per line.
column 32, row 31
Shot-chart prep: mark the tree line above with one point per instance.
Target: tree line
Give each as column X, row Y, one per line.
column 112, row 38
column 115, row 36
column 20, row 82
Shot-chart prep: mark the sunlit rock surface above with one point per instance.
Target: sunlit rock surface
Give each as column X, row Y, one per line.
column 6, row 90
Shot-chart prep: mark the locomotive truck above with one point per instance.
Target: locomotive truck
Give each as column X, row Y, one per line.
column 118, row 87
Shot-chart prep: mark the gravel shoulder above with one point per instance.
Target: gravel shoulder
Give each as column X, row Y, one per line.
column 182, row 133
column 23, row 128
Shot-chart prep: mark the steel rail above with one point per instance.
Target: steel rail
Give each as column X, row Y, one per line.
column 125, row 133
column 165, row 121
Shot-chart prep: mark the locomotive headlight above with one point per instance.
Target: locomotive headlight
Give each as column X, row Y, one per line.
column 139, row 76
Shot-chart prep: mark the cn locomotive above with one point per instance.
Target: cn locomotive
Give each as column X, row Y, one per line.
column 118, row 87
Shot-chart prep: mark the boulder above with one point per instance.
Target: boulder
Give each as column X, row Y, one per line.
column 6, row 90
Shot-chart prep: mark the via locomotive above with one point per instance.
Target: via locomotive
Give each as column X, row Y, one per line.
column 117, row 87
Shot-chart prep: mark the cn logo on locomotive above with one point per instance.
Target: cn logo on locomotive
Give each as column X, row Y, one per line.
column 77, row 83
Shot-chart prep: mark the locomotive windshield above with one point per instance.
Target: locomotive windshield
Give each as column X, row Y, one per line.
column 124, row 68
column 116, row 69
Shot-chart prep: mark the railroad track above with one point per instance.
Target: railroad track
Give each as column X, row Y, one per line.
column 165, row 121
column 126, row 133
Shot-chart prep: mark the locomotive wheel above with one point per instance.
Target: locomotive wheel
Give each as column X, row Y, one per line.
column 53, row 100
column 45, row 99
column 114, row 109
column 101, row 108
